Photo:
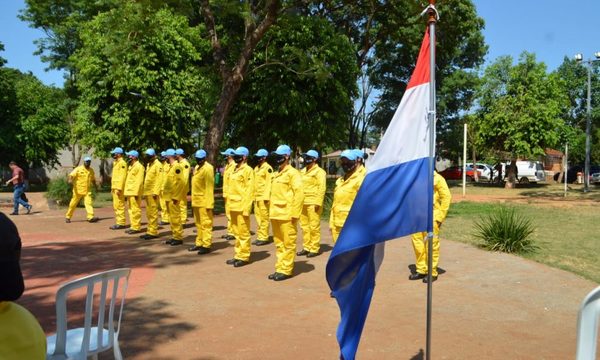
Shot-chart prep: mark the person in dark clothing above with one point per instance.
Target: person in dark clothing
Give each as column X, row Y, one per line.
column 18, row 181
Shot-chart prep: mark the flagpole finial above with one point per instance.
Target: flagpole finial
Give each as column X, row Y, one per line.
column 432, row 12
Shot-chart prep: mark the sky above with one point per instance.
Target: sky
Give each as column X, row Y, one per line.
column 552, row 29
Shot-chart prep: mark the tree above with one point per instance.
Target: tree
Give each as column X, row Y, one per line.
column 141, row 79
column 300, row 88
column 519, row 108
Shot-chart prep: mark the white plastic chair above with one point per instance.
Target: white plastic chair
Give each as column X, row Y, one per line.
column 88, row 341
column 587, row 326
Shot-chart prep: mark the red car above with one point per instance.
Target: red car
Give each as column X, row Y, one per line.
column 455, row 173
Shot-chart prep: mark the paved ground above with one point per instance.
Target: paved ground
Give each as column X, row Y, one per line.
column 184, row 306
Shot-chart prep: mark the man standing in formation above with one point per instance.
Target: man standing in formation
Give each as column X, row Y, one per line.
column 82, row 178
column 18, row 181
column 314, row 183
column 164, row 213
column 346, row 188
column 226, row 173
column 174, row 192
column 134, row 184
column 285, row 208
column 441, row 204
column 262, row 192
column 203, row 201
column 185, row 165
column 239, row 198
column 152, row 190
column 117, row 187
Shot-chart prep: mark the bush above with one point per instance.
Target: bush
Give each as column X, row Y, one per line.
column 59, row 191
column 506, row 230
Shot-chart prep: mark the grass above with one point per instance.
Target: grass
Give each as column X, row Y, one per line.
column 567, row 237
column 548, row 190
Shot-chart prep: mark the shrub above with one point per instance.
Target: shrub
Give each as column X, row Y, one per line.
column 59, row 191
column 506, row 230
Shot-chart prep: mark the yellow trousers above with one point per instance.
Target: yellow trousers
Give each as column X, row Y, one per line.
column 175, row 217
column 310, row 221
column 240, row 225
column 261, row 213
column 119, row 207
column 335, row 232
column 87, row 201
column 285, row 233
column 152, row 215
column 134, row 204
column 183, row 210
column 164, row 212
column 228, row 216
column 419, row 241
column 203, row 218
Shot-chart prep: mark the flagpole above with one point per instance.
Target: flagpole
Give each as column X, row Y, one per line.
column 431, row 11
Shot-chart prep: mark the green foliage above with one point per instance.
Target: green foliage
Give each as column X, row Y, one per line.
column 520, row 107
column 59, row 190
column 141, row 80
column 506, row 230
column 300, row 89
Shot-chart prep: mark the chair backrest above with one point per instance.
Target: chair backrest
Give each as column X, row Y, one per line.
column 114, row 280
column 587, row 326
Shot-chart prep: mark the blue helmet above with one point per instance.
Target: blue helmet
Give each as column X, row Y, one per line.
column 228, row 152
column 87, row 159
column 348, row 154
column 283, row 150
column 179, row 152
column 170, row 152
column 200, row 154
column 359, row 153
column 262, row 153
column 117, row 150
column 133, row 153
column 150, row 152
column 241, row 151
column 312, row 153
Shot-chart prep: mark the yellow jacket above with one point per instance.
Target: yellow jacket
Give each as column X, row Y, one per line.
column 226, row 173
column 186, row 171
column 362, row 170
column 287, row 195
column 262, row 181
column 203, row 186
column 343, row 197
column 163, row 176
column 154, row 178
column 82, row 179
column 134, row 184
column 441, row 198
column 174, row 188
column 119, row 173
column 314, row 182
column 241, row 189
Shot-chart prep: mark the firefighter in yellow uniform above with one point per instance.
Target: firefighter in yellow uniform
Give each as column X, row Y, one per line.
column 314, row 182
column 164, row 213
column 262, row 192
column 134, row 189
column 203, row 202
column 360, row 158
column 346, row 188
column 285, row 208
column 117, row 187
column 185, row 164
column 240, row 198
column 441, row 204
column 226, row 173
column 82, row 178
column 174, row 192
column 152, row 190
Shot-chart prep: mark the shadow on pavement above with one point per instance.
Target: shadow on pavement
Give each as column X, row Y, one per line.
column 419, row 356
column 301, row 267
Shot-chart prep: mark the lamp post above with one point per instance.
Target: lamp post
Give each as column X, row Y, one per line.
column 588, row 126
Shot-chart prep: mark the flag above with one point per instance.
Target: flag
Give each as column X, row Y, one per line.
column 395, row 199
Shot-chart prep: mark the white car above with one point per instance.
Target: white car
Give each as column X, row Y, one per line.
column 485, row 170
column 528, row 171
column 595, row 178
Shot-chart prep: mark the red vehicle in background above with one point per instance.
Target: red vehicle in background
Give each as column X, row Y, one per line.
column 455, row 173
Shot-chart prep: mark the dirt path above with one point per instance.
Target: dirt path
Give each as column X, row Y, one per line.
column 183, row 306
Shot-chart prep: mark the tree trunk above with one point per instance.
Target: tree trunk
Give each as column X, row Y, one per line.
column 216, row 128
column 475, row 172
column 511, row 175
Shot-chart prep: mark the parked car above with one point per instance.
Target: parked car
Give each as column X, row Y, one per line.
column 486, row 171
column 573, row 170
column 455, row 173
column 595, row 178
column 530, row 171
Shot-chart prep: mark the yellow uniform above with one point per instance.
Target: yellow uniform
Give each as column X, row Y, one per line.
column 441, row 204
column 343, row 197
column 82, row 179
column 117, row 186
column 226, row 174
column 314, row 183
column 164, row 212
column 285, row 208
column 21, row 336
column 362, row 170
column 262, row 193
column 152, row 190
column 240, row 198
column 174, row 191
column 185, row 165
column 203, row 202
column 133, row 193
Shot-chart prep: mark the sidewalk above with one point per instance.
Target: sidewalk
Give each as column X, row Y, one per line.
column 184, row 306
